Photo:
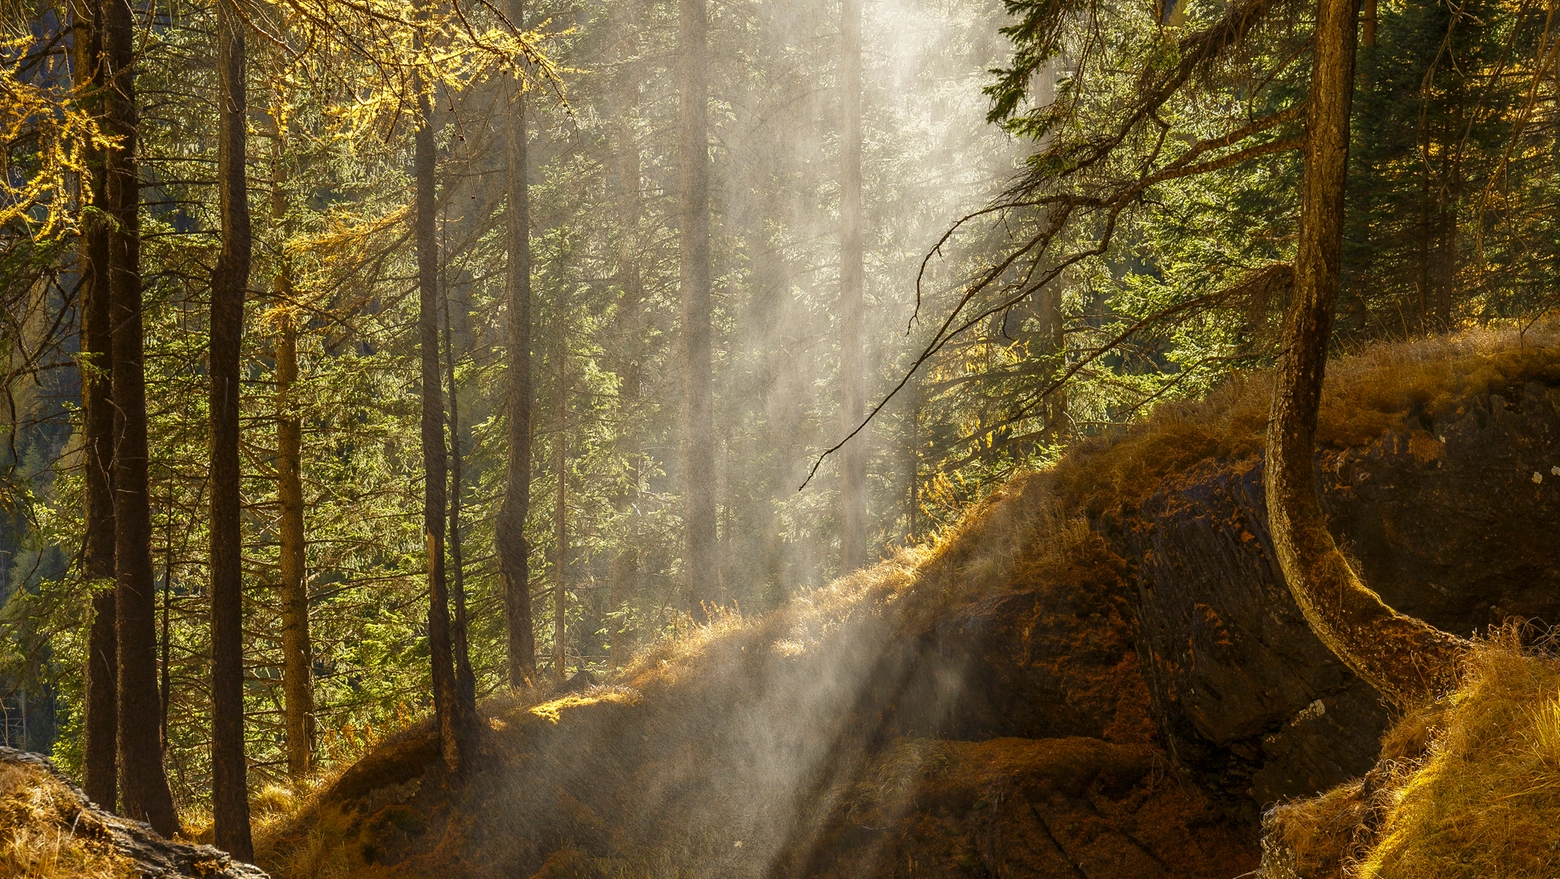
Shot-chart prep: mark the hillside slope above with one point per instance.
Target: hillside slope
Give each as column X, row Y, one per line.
column 1097, row 673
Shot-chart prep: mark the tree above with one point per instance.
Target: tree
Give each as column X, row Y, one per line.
column 446, row 700
column 853, row 377
column 701, row 561
column 297, row 670
column 1407, row 660
column 144, row 790
column 97, row 556
column 512, row 548
column 230, row 788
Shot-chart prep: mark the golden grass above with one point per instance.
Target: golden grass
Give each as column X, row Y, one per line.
column 1466, row 789
column 44, row 836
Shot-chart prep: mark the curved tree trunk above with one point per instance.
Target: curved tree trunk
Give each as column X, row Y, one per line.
column 97, row 556
column 144, row 790
column 513, row 551
column 1409, row 661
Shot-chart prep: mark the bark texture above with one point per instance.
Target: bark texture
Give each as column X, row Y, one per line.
column 435, row 461
column 853, row 376
column 230, row 789
column 701, row 562
column 1409, row 661
column 512, row 548
column 97, row 556
column 144, row 791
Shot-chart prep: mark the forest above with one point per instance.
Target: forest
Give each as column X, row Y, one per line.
column 779, row 438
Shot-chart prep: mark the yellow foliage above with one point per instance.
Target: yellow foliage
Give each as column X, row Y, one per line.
column 61, row 134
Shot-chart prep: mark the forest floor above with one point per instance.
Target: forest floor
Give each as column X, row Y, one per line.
column 1095, row 673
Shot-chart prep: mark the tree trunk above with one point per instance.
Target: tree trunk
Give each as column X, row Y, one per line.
column 1407, row 660
column 561, row 513
column 97, row 557
column 694, row 213
column 230, row 789
column 853, row 377
column 509, row 533
column 297, row 660
column 625, row 568
column 435, row 471
column 144, row 785
column 465, row 680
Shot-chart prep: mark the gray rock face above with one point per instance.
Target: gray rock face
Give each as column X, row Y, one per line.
column 1452, row 523
column 157, row 858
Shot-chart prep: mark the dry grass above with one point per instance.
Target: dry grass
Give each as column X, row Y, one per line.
column 1385, row 388
column 1467, row 789
column 45, row 836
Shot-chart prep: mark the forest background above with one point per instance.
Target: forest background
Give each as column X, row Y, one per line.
column 1455, row 178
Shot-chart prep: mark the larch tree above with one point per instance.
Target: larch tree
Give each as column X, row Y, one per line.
column 701, row 560
column 144, row 792
column 229, row 773
column 512, row 549
column 853, row 374
column 297, row 663
column 446, row 699
column 97, row 556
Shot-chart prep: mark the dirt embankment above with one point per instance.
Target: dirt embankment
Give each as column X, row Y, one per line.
column 1097, row 674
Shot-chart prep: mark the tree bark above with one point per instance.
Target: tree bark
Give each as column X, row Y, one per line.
column 853, row 377
column 1408, row 661
column 509, row 533
column 143, row 784
column 97, row 557
column 435, row 469
column 230, row 788
column 297, row 659
column 703, row 566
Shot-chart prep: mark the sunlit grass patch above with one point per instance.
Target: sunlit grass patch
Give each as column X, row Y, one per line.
column 554, row 709
column 44, row 836
column 1467, row 789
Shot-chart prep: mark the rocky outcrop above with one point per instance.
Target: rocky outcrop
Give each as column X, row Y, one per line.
column 1450, row 522
column 140, row 851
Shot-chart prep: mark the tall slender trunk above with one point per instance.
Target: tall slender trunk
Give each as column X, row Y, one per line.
column 702, row 565
column 297, row 661
column 465, row 680
column 625, row 568
column 229, row 775
column 513, row 551
column 144, row 791
column 97, row 557
column 853, row 374
column 1407, row 660
column 435, row 468
column 561, row 512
